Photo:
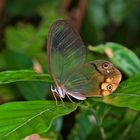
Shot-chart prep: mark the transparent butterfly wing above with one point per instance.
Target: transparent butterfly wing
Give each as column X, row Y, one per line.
column 65, row 50
column 86, row 81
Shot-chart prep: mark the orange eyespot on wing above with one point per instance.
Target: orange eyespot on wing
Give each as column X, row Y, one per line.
column 108, row 88
column 111, row 83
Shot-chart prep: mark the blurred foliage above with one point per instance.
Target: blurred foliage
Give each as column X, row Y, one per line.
column 23, row 38
column 113, row 20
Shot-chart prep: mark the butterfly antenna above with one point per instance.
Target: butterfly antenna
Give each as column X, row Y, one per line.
column 70, row 98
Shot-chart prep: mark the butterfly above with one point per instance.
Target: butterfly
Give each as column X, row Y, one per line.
column 71, row 75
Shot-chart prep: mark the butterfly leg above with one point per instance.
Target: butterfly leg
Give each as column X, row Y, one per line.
column 55, row 98
column 70, row 98
column 61, row 100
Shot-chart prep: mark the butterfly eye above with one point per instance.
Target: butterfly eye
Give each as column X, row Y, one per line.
column 105, row 65
column 53, row 89
column 109, row 87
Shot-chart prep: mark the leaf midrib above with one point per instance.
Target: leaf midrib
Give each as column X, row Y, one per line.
column 125, row 94
column 30, row 119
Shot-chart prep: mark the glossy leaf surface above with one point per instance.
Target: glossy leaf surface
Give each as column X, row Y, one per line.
column 21, row 119
column 22, row 75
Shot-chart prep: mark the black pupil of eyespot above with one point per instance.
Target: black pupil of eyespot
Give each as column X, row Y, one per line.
column 109, row 87
column 105, row 65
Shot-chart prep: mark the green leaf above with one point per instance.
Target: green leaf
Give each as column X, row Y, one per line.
column 127, row 95
column 29, row 90
column 37, row 90
column 119, row 55
column 7, row 94
column 17, row 60
column 23, row 75
column 19, row 38
column 21, row 119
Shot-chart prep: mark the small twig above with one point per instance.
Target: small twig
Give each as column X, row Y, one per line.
column 1, row 6
column 67, row 3
column 76, row 14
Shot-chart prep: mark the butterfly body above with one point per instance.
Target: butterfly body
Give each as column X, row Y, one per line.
column 71, row 76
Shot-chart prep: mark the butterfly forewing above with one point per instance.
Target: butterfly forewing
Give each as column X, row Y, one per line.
column 66, row 51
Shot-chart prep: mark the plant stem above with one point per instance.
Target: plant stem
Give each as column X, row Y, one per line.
column 101, row 129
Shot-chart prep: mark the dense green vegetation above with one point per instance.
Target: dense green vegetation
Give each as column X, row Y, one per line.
column 110, row 31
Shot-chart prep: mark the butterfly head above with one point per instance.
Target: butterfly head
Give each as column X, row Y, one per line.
column 58, row 90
